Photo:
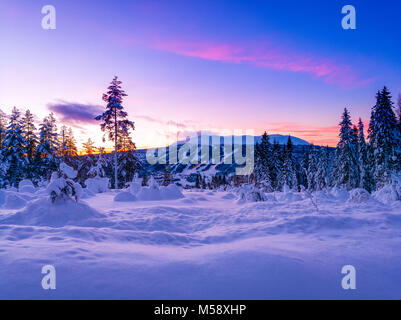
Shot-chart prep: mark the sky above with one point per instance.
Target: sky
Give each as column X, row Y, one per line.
column 287, row 67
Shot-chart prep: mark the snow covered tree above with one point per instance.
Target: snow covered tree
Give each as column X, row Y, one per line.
column 145, row 180
column 262, row 163
column 46, row 158
column 384, row 138
column 311, row 172
column 29, row 129
column 289, row 173
column 14, row 149
column 198, row 182
column 303, row 168
column 323, row 172
column 31, row 139
column 366, row 177
column 115, row 119
column 276, row 165
column 347, row 169
column 167, row 176
column 3, row 128
column 61, row 187
column 89, row 147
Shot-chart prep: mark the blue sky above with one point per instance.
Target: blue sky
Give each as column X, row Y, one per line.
column 284, row 66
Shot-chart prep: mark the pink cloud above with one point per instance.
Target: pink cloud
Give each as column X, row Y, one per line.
column 320, row 135
column 266, row 56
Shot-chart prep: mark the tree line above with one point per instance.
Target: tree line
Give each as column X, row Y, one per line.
column 27, row 152
column 356, row 162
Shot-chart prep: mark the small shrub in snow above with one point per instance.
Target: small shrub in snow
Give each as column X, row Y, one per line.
column 387, row 194
column 250, row 193
column 61, row 187
column 359, row 196
column 97, row 184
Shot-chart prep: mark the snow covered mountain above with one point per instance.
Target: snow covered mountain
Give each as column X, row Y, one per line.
column 210, row 168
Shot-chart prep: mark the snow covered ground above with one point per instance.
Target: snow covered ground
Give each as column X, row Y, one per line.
column 205, row 245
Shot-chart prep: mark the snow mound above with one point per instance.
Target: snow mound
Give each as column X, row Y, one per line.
column 153, row 193
column 339, row 194
column 387, row 194
column 27, row 189
column 288, row 196
column 87, row 194
column 125, row 197
column 25, row 183
column 229, row 196
column 68, row 171
column 43, row 212
column 97, row 184
column 359, row 196
column 13, row 201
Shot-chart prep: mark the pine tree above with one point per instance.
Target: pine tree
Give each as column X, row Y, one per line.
column 262, row 163
column 366, row 178
column 198, row 182
column 311, row 173
column 347, row 168
column 276, row 165
column 14, row 152
column 71, row 144
column 167, row 176
column 384, row 138
column 3, row 128
column 303, row 168
column 89, row 147
column 46, row 155
column 114, row 119
column 323, row 169
column 145, row 180
column 31, row 139
column 289, row 173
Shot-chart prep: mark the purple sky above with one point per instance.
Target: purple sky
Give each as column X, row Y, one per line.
column 284, row 67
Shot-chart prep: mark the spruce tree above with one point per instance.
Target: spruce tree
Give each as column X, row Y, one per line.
column 14, row 152
column 31, row 139
column 365, row 169
column 347, row 169
column 311, row 173
column 384, row 138
column 46, row 154
column 289, row 173
column 323, row 169
column 3, row 128
column 276, row 166
column 262, row 163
